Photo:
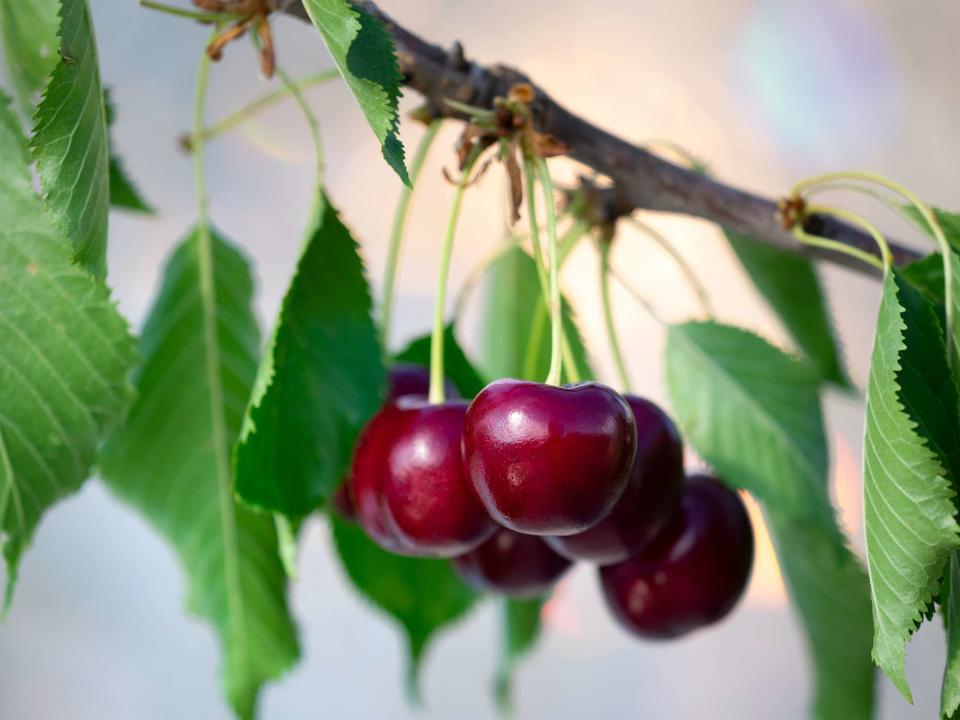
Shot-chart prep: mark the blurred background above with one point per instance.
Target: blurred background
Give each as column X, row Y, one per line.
column 765, row 91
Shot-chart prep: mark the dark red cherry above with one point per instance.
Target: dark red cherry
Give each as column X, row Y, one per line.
column 428, row 500
column 692, row 573
column 549, row 460
column 366, row 476
column 410, row 379
column 342, row 502
column 652, row 494
column 518, row 565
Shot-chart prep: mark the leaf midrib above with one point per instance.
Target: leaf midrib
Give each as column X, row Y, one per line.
column 235, row 608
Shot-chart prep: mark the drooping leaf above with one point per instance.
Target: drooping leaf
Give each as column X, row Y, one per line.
column 70, row 142
column 171, row 460
column 753, row 412
column 364, row 54
column 29, row 33
column 520, row 627
column 950, row 604
column 65, row 356
column 320, row 380
column 830, row 592
column 926, row 275
column 460, row 370
column 422, row 595
column 515, row 318
column 123, row 193
column 908, row 507
column 789, row 283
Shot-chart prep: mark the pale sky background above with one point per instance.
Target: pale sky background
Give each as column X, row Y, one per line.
column 767, row 91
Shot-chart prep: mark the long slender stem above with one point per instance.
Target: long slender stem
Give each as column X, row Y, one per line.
column 199, row 168
column 199, row 16
column 265, row 101
column 691, row 277
column 862, row 222
column 556, row 321
column 530, row 177
column 396, row 233
column 612, row 338
column 637, row 296
column 437, row 394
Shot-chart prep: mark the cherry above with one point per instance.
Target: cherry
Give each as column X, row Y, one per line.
column 518, row 565
column 692, row 573
column 652, row 494
column 342, row 502
column 428, row 501
column 410, row 379
column 549, row 460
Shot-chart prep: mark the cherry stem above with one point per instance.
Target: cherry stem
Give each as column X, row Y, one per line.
column 396, row 233
column 691, row 277
column 199, row 16
column 286, row 544
column 437, row 394
column 556, row 321
column 266, row 101
column 199, row 169
column 640, row 299
column 605, row 246
column 855, row 219
column 812, row 184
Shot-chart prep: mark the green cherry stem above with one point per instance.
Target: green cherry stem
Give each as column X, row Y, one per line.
column 396, row 233
column 691, row 277
column 437, row 394
column 556, row 321
column 265, row 101
column 199, row 16
column 854, row 219
column 638, row 297
column 604, row 246
column 199, row 167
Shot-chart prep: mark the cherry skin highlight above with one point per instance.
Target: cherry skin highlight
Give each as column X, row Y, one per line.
column 652, row 495
column 693, row 573
column 521, row 566
column 549, row 460
column 411, row 379
column 428, row 501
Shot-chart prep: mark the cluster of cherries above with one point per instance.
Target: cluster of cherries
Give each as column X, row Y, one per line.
column 527, row 478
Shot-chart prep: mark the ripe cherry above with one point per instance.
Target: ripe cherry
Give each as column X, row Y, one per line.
column 549, row 460
column 521, row 566
column 652, row 494
column 692, row 573
column 428, row 501
column 410, row 379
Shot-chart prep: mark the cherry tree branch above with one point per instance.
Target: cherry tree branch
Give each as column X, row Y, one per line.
column 640, row 179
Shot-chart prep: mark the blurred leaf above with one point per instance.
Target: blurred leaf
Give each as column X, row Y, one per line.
column 65, row 357
column 456, row 366
column 171, row 460
column 926, row 275
column 830, row 592
column 364, row 54
column 515, row 316
column 123, row 193
column 949, row 222
column 422, row 595
column 753, row 412
column 908, row 507
column 320, row 380
column 70, row 142
column 29, row 32
column 520, row 626
column 790, row 285
column 950, row 604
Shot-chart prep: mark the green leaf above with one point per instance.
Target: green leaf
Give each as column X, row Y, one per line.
column 949, row 222
column 789, row 283
column 172, row 460
column 753, row 413
column 908, row 501
column 364, row 54
column 514, row 317
column 422, row 595
column 521, row 630
column 830, row 592
column 65, row 356
column 322, row 377
column 70, row 142
column 950, row 604
column 123, row 193
column 29, row 33
column 926, row 275
column 456, row 366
